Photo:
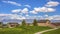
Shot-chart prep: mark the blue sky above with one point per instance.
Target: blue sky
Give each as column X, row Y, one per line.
column 30, row 8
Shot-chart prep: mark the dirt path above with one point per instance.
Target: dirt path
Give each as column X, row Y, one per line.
column 46, row 31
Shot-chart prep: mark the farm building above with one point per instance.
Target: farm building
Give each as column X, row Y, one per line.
column 12, row 24
column 48, row 23
column 43, row 23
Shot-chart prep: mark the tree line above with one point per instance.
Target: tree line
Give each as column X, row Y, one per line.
column 34, row 23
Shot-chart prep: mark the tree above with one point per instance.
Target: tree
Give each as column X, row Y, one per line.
column 23, row 23
column 35, row 22
column 1, row 24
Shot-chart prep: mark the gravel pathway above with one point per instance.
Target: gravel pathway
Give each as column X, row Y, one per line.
column 46, row 31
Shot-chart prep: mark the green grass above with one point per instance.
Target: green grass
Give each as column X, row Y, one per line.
column 23, row 30
column 53, row 32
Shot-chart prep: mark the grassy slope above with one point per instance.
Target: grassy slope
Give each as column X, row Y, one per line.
column 53, row 32
column 22, row 30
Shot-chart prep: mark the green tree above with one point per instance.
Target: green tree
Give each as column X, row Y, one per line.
column 35, row 22
column 23, row 23
column 1, row 24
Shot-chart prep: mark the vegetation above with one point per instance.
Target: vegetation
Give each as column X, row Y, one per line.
column 1, row 24
column 22, row 30
column 23, row 23
column 35, row 22
column 53, row 32
column 27, row 29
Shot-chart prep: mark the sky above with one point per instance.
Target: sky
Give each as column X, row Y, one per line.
column 30, row 9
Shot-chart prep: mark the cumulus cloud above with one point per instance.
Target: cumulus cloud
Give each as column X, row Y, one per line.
column 16, row 10
column 54, row 17
column 44, row 9
column 21, row 11
column 37, row 9
column 52, row 3
column 33, row 12
column 51, row 9
column 46, row 15
column 11, row 16
column 25, row 10
column 15, row 16
column 28, row 6
column 27, row 15
column 12, row 2
column 5, row 14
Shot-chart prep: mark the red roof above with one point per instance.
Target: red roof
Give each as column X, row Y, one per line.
column 56, row 24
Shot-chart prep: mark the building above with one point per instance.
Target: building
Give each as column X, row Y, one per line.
column 4, row 26
column 54, row 25
column 48, row 23
column 43, row 22
column 12, row 24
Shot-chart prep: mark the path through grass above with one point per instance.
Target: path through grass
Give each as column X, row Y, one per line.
column 53, row 32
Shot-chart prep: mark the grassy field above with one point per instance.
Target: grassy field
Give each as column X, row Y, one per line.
column 23, row 30
column 53, row 32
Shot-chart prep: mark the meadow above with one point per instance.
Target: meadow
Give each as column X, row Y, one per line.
column 23, row 30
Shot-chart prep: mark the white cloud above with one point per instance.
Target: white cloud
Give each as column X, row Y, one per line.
column 57, row 18
column 50, row 9
column 15, row 16
column 12, row 2
column 21, row 11
column 16, row 10
column 33, row 12
column 41, row 9
column 37, row 9
column 44, row 9
column 46, row 15
column 11, row 16
column 25, row 10
column 28, row 6
column 54, row 17
column 5, row 14
column 27, row 15
column 52, row 3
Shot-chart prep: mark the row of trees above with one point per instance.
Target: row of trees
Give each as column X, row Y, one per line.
column 34, row 22
column 24, row 23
